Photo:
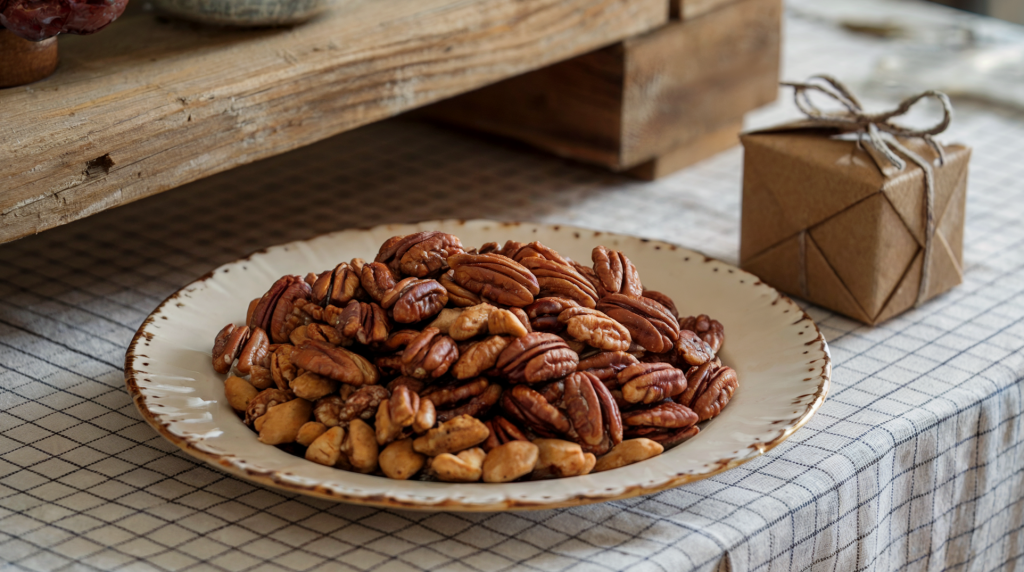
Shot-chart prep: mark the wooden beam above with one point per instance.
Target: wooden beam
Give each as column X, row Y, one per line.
column 149, row 105
column 725, row 137
column 635, row 101
column 690, row 9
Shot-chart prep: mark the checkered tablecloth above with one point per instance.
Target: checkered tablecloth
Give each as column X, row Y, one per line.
column 915, row 461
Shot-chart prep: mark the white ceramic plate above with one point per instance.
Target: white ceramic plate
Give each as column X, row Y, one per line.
column 781, row 358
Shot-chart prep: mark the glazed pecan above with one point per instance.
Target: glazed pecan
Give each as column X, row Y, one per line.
column 667, row 423
column 458, row 295
column 261, row 313
column 366, row 322
column 321, row 332
column 227, row 345
column 413, row 300
column 710, row 389
column 663, row 300
column 255, row 351
column 376, row 279
column 544, row 312
column 429, row 355
column 651, row 382
column 502, row 431
column 691, row 350
column 335, row 410
column 537, row 357
column 474, row 398
column 650, row 324
column 287, row 314
column 336, row 287
column 594, row 415
column 562, row 280
column 519, row 252
column 335, row 362
column 607, row 365
column 495, row 277
column 403, row 405
column 595, row 329
column 531, row 410
column 617, row 274
column 265, row 400
column 281, row 367
column 421, row 254
column 479, row 357
column 711, row 331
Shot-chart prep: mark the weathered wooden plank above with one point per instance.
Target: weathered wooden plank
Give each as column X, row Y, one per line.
column 689, row 9
column 150, row 105
column 689, row 153
column 649, row 95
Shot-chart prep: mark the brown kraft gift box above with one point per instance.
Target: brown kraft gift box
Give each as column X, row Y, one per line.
column 832, row 221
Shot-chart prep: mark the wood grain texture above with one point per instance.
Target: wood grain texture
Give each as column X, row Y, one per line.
column 694, row 151
column 650, row 95
column 150, row 105
column 690, row 9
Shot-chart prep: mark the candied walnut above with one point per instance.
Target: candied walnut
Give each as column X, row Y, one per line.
column 510, row 461
column 420, row 254
column 429, row 355
column 617, row 273
column 227, row 345
column 667, row 423
column 312, row 386
column 595, row 329
column 376, row 279
column 281, row 423
column 662, row 299
column 495, row 277
column 651, row 382
column 335, row 410
column 281, row 367
column 479, row 357
column 537, row 357
column 593, row 412
column 239, row 393
column 366, row 322
column 502, row 321
column 544, row 312
column 466, row 467
column 649, row 323
column 502, row 431
column 692, row 350
column 452, row 436
column 628, row 452
column 711, row 331
column 413, row 300
column 309, row 432
column 325, row 449
column 555, row 279
column 399, row 461
column 285, row 318
column 607, row 365
column 558, row 458
column 444, row 321
column 335, row 362
column 711, row 387
column 530, row 409
column 360, row 447
column 458, row 295
column 256, row 349
column 472, row 322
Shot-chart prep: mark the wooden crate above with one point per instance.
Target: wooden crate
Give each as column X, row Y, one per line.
column 648, row 105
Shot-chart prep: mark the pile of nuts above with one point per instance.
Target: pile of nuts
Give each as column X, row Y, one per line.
column 496, row 364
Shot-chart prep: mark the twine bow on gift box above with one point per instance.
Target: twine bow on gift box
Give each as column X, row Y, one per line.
column 878, row 131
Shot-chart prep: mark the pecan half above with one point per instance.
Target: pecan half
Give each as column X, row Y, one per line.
column 479, row 357
column 265, row 400
column 338, row 286
column 457, row 295
column 711, row 388
column 596, row 329
column 650, row 324
column 607, row 365
column 227, row 345
column 711, row 331
column 420, row 254
column 376, row 279
column 666, row 423
column 692, row 350
column 591, row 408
column 651, row 382
column 617, row 273
column 366, row 322
column 562, row 280
column 519, row 252
column 255, row 351
column 502, row 431
column 284, row 318
column 495, row 277
column 281, row 367
column 544, row 312
column 531, row 410
column 321, row 332
column 414, row 299
column 429, row 355
column 335, row 362
column 476, row 398
column 264, row 309
column 335, row 410
column 662, row 299
column 537, row 357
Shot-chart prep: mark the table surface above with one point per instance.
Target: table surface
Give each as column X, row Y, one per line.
column 915, row 460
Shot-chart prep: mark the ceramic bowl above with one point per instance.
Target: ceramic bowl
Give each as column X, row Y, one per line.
column 247, row 13
column 781, row 358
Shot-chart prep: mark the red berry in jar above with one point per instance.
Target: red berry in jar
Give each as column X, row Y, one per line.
column 35, row 20
column 90, row 16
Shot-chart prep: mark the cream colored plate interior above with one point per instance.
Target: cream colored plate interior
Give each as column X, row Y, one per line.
column 780, row 356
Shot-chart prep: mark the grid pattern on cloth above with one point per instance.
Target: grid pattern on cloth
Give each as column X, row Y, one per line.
column 914, row 462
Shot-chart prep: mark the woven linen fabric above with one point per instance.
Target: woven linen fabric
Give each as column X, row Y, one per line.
column 914, row 462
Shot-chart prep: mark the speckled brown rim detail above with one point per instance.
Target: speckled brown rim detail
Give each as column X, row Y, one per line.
column 274, row 479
